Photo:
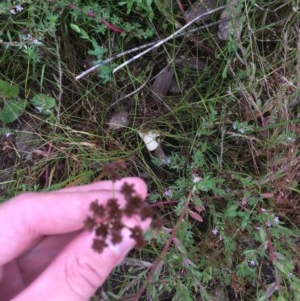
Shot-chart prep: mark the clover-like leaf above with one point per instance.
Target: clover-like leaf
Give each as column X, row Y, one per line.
column 8, row 90
column 12, row 110
column 43, row 103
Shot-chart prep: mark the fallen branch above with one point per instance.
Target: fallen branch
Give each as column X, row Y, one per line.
column 153, row 45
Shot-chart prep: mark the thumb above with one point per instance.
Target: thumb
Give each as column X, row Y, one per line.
column 78, row 270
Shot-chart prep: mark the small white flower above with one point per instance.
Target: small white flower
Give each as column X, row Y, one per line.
column 39, row 109
column 8, row 134
column 290, row 139
column 12, row 11
column 277, row 220
column 251, row 263
column 196, row 178
column 168, row 193
column 269, row 224
column 26, row 37
column 290, row 275
column 37, row 42
column 18, row 7
column 214, row 231
column 166, row 160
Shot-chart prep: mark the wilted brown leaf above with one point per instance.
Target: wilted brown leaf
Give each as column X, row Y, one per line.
column 198, row 8
column 195, row 216
column 118, row 120
column 162, row 83
column 193, row 63
column 233, row 26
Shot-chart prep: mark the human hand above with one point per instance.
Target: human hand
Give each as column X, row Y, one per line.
column 45, row 253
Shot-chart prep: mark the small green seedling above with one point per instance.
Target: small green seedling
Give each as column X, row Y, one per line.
column 12, row 107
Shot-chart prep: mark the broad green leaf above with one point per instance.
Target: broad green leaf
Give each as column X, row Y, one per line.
column 8, row 90
column 263, row 235
column 180, row 246
column 83, row 33
column 12, row 110
column 285, row 267
column 43, row 103
column 232, row 211
column 75, row 27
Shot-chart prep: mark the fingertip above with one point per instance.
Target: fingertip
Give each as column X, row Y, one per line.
column 139, row 185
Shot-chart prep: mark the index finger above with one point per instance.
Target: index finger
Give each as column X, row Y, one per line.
column 108, row 185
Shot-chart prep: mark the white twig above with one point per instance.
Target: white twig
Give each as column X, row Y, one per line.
column 112, row 59
column 154, row 44
column 172, row 36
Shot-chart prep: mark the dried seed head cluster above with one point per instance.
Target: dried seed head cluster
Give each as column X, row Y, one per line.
column 106, row 221
column 112, row 170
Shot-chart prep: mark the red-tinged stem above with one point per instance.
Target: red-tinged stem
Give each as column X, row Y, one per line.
column 181, row 7
column 47, row 168
column 111, row 26
column 163, row 203
column 273, row 256
column 165, row 249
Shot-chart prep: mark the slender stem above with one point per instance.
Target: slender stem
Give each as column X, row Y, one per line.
column 165, row 248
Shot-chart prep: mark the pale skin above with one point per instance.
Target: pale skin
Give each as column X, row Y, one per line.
column 45, row 254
